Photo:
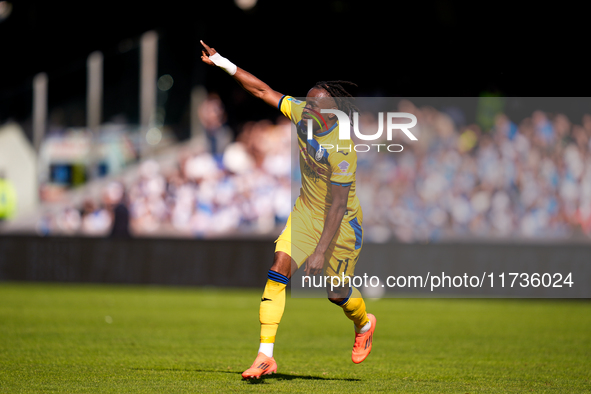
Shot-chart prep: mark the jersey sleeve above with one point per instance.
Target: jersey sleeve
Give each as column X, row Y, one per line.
column 343, row 166
column 291, row 108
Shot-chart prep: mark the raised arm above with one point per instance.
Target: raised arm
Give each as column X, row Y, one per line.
column 249, row 82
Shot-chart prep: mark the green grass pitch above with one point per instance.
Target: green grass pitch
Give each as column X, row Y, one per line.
column 124, row 339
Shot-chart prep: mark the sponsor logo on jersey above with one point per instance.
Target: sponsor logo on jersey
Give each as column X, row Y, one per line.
column 343, row 165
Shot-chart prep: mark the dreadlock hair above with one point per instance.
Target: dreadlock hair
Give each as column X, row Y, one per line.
column 344, row 99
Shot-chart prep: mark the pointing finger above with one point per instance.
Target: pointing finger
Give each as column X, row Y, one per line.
column 210, row 51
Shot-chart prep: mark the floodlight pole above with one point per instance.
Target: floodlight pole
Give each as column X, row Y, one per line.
column 94, row 92
column 149, row 68
column 94, row 104
column 39, row 109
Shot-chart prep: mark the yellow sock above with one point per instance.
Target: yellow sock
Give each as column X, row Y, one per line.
column 272, row 306
column 354, row 308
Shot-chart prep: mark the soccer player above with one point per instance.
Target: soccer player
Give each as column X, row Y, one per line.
column 324, row 229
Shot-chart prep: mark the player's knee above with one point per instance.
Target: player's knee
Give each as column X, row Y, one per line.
column 337, row 301
column 337, row 295
column 282, row 264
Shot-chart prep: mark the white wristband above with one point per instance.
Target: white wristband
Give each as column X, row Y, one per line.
column 223, row 63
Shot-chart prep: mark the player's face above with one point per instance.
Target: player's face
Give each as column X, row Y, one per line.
column 316, row 100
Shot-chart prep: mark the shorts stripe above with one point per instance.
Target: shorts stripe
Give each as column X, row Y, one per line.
column 358, row 232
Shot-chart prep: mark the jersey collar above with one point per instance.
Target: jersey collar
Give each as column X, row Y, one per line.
column 327, row 131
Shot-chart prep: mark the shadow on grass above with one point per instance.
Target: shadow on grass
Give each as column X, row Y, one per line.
column 286, row 376
column 276, row 376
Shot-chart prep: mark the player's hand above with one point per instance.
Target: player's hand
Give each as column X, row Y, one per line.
column 207, row 53
column 314, row 264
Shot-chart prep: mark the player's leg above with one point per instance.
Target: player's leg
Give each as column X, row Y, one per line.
column 364, row 323
column 273, row 299
column 287, row 259
column 346, row 295
column 270, row 313
column 341, row 262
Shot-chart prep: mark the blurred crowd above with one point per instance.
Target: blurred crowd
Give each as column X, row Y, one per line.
column 530, row 179
column 517, row 178
column 223, row 187
column 246, row 188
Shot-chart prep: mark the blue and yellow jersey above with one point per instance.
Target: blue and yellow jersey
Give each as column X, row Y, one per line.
column 322, row 166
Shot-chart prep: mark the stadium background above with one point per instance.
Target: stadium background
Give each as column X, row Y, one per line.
column 59, row 225
column 203, row 184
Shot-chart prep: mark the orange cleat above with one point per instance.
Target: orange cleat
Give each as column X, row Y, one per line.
column 363, row 342
column 262, row 365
